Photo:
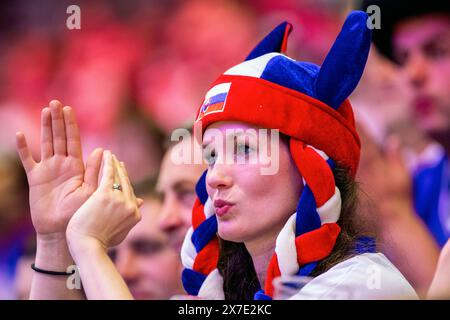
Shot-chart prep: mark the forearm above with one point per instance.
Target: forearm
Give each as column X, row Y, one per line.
column 53, row 254
column 440, row 286
column 100, row 278
column 410, row 246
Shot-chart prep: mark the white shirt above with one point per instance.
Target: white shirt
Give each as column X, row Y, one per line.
column 366, row 276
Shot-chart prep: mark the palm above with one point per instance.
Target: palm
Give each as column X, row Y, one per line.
column 56, row 191
column 59, row 184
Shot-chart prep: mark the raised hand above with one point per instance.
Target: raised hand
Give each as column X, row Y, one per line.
column 59, row 183
column 108, row 215
column 103, row 221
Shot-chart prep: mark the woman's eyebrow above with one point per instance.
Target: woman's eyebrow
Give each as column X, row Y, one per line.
column 229, row 136
column 205, row 144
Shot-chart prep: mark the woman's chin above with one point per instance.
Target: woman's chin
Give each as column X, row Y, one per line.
column 230, row 231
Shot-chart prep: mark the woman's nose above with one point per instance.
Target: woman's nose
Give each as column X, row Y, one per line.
column 219, row 176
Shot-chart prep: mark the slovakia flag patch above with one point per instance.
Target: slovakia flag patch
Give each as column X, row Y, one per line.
column 215, row 99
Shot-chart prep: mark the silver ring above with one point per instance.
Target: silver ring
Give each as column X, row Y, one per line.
column 117, row 186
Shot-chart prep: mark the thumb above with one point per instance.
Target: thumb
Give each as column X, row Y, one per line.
column 140, row 202
column 93, row 165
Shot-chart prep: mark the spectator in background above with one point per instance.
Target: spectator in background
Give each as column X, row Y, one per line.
column 15, row 223
column 176, row 187
column 417, row 38
column 149, row 266
column 24, row 274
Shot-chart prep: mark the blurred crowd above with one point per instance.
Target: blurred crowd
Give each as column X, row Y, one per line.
column 138, row 69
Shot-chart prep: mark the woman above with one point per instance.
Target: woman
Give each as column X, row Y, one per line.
column 259, row 237
column 249, row 227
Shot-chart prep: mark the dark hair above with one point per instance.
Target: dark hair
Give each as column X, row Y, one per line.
column 395, row 12
column 236, row 265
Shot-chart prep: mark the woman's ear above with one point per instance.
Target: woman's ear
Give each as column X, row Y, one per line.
column 344, row 64
column 275, row 41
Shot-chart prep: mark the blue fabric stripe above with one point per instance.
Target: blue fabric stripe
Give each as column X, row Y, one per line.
column 192, row 281
column 331, row 163
column 307, row 218
column 200, row 188
column 271, row 43
column 204, row 233
column 365, row 245
column 260, row 295
column 307, row 269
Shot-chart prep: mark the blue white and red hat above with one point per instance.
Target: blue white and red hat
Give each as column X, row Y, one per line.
column 308, row 103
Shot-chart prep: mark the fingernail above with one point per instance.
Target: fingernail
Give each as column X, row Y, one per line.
column 54, row 102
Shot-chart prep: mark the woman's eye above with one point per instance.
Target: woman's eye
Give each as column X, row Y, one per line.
column 209, row 156
column 243, row 149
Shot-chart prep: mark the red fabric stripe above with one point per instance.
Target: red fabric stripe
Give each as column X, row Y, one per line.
column 315, row 170
column 198, row 214
column 317, row 244
column 273, row 272
column 287, row 31
column 207, row 259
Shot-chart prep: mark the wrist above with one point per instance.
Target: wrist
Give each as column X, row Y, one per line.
column 51, row 238
column 82, row 246
column 52, row 252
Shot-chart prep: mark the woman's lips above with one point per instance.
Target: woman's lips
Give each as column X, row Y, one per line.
column 222, row 207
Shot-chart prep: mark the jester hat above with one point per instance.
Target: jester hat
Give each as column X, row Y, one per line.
column 309, row 104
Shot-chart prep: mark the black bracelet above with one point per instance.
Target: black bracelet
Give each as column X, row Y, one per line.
column 53, row 273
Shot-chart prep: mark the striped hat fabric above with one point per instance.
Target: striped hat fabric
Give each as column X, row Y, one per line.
column 308, row 103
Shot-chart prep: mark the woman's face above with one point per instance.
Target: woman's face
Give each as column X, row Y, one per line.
column 248, row 204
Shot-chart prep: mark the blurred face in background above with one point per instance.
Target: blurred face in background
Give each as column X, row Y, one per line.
column 422, row 48
column 176, row 186
column 149, row 266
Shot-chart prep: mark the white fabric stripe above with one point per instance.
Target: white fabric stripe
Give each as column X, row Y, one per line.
column 220, row 88
column 285, row 248
column 320, row 152
column 252, row 68
column 212, row 287
column 330, row 211
column 188, row 252
column 208, row 209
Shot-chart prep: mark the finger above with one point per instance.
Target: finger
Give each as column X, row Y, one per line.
column 24, row 152
column 116, row 174
column 126, row 188
column 93, row 164
column 122, row 164
column 108, row 171
column 46, row 134
column 58, row 128
column 140, row 202
column 72, row 133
